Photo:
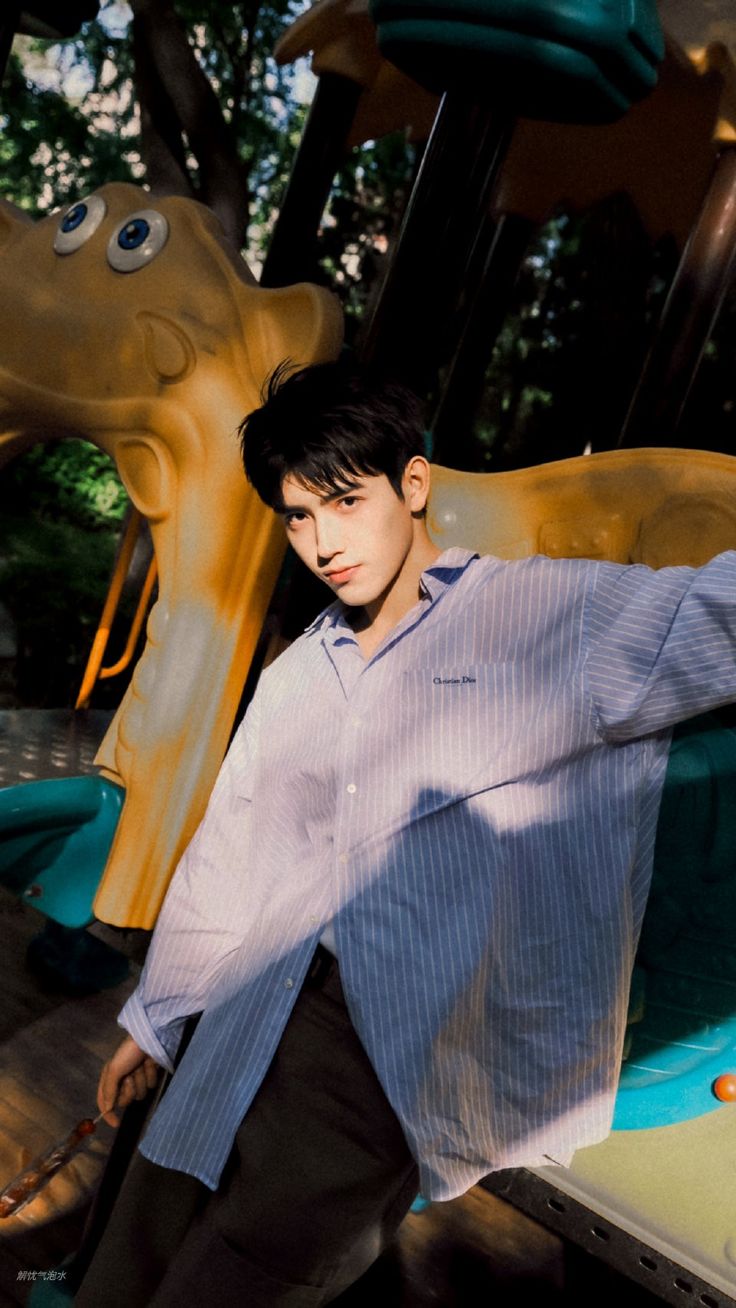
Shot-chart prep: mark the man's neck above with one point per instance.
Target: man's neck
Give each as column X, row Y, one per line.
column 374, row 622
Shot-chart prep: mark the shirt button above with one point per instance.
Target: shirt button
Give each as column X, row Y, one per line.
column 352, row 788
column 357, row 722
column 288, row 983
column 343, row 858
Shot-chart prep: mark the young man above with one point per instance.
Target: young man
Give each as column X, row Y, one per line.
column 409, row 915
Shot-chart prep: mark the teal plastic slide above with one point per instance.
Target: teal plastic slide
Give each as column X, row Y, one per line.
column 55, row 837
column 562, row 60
column 683, row 1003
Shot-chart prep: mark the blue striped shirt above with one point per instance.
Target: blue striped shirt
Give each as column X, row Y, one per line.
column 473, row 809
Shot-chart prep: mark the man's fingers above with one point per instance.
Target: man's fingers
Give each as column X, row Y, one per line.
column 130, row 1089
column 137, row 1084
column 152, row 1071
column 107, row 1095
column 106, row 1090
column 129, row 1074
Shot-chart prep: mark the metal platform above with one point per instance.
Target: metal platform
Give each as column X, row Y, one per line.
column 39, row 743
column 599, row 1225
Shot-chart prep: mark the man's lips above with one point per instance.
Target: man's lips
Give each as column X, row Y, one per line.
column 341, row 574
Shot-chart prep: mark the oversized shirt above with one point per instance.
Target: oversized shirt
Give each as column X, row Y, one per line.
column 473, row 808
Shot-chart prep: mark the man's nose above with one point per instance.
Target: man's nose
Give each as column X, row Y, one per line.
column 328, row 538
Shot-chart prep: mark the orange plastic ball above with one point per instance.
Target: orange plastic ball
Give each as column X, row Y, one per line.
column 724, row 1087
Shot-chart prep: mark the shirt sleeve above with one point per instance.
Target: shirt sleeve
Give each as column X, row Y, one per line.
column 202, row 918
column 662, row 645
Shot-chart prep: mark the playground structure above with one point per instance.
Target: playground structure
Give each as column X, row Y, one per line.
column 646, row 1192
column 194, row 365
column 189, row 339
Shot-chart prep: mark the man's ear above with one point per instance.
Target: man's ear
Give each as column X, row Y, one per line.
column 415, row 483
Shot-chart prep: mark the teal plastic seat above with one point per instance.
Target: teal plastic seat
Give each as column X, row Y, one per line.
column 683, row 1034
column 559, row 60
column 55, row 837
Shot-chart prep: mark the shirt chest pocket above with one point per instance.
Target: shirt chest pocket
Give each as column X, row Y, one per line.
column 459, row 726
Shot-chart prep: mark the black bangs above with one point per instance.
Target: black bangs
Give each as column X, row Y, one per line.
column 327, row 479
column 328, row 425
column 329, row 465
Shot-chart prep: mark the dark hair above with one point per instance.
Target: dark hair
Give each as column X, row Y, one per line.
column 328, row 424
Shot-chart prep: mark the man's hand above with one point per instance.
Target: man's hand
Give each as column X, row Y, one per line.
column 128, row 1075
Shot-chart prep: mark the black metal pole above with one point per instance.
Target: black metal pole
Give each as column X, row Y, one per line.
column 292, row 252
column 694, row 300
column 481, row 311
column 409, row 330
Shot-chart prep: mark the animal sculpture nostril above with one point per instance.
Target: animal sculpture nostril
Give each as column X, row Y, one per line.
column 169, row 353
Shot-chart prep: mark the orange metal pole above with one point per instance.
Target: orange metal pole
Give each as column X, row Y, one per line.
column 102, row 635
column 135, row 626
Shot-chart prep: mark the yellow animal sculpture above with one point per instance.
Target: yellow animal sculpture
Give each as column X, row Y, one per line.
column 128, row 320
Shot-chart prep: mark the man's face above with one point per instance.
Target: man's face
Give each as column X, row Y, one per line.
column 357, row 539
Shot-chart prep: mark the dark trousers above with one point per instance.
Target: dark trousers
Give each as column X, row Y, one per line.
column 319, row 1179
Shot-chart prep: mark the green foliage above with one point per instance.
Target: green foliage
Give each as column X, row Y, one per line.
column 68, row 481
column 55, row 148
column 264, row 104
column 72, row 124
column 72, row 120
column 52, row 575
column 61, row 508
column 362, row 218
column 543, row 321
column 565, row 362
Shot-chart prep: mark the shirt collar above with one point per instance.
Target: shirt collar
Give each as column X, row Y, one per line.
column 445, row 571
column 434, row 581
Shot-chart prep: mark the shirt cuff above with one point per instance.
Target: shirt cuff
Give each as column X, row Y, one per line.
column 134, row 1020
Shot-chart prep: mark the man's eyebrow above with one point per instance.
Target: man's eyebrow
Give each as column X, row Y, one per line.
column 344, row 490
column 328, row 498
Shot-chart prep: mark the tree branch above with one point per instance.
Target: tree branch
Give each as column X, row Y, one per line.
column 162, row 146
column 223, row 175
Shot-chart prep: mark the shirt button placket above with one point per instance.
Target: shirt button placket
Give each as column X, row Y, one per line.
column 347, row 813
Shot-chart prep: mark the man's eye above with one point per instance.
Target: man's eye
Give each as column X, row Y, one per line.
column 349, row 501
column 293, row 519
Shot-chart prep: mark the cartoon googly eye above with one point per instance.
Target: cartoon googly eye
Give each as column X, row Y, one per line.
column 137, row 241
column 78, row 223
